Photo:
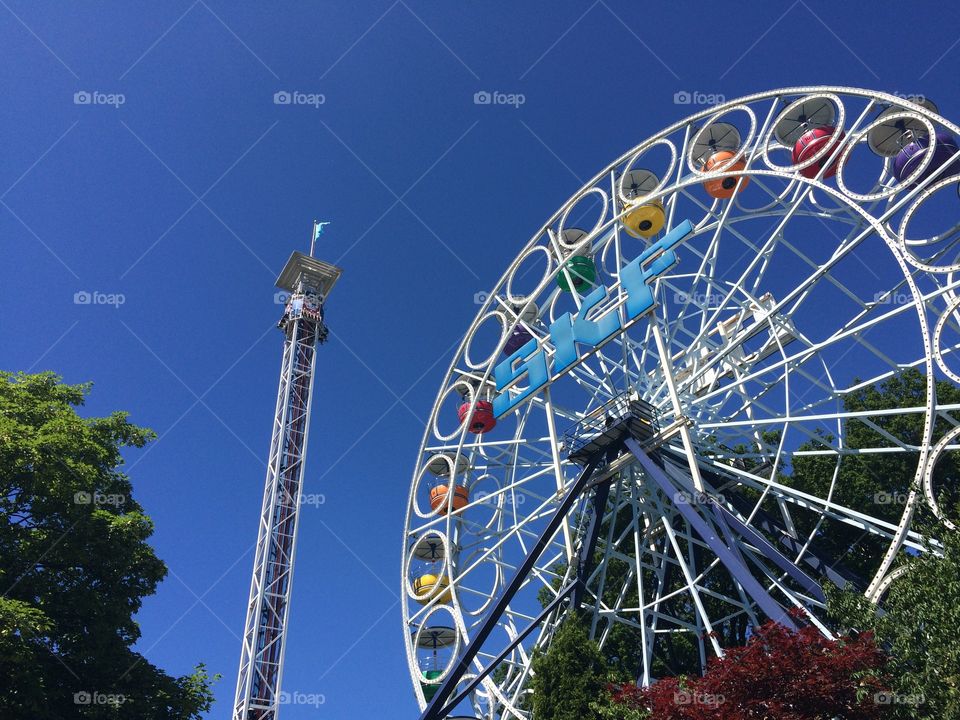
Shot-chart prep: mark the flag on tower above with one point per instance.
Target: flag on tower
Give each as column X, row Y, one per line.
column 319, row 229
column 317, row 232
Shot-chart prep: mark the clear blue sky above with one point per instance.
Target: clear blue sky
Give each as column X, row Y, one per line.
column 188, row 197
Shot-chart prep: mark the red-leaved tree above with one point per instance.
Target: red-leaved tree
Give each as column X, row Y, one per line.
column 780, row 674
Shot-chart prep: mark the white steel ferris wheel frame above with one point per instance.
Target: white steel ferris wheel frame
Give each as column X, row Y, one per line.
column 670, row 535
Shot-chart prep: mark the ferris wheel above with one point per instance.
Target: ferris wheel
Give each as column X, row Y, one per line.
column 623, row 426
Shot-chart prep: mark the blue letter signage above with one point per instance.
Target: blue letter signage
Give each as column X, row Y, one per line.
column 566, row 331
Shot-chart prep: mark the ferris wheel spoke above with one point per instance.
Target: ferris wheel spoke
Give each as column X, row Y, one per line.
column 780, row 200
column 753, row 402
column 637, row 572
column 823, row 417
column 759, row 256
column 846, row 333
column 800, row 291
column 701, row 615
column 493, row 445
column 708, row 260
column 599, row 383
column 514, row 532
column 828, row 508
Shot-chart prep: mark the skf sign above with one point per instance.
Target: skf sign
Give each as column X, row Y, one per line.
column 568, row 333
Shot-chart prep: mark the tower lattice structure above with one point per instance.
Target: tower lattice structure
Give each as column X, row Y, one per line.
column 306, row 283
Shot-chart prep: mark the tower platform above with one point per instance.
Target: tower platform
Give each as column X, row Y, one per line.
column 605, row 428
column 316, row 275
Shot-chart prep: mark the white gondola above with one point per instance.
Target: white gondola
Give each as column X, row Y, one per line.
column 812, row 113
column 889, row 137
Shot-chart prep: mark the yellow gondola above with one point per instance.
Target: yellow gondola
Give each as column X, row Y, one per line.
column 646, row 220
column 642, row 219
column 428, row 586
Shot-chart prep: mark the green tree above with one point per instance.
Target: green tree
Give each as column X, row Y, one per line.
column 75, row 565
column 867, row 482
column 570, row 676
column 918, row 626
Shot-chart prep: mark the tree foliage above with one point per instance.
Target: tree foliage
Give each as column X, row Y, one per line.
column 919, row 626
column 878, row 482
column 75, row 565
column 569, row 676
column 780, row 674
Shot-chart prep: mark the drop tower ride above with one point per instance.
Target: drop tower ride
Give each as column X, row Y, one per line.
column 305, row 283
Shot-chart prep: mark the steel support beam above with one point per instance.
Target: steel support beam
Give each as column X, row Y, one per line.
column 585, row 560
column 810, row 554
column 769, row 551
column 728, row 557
